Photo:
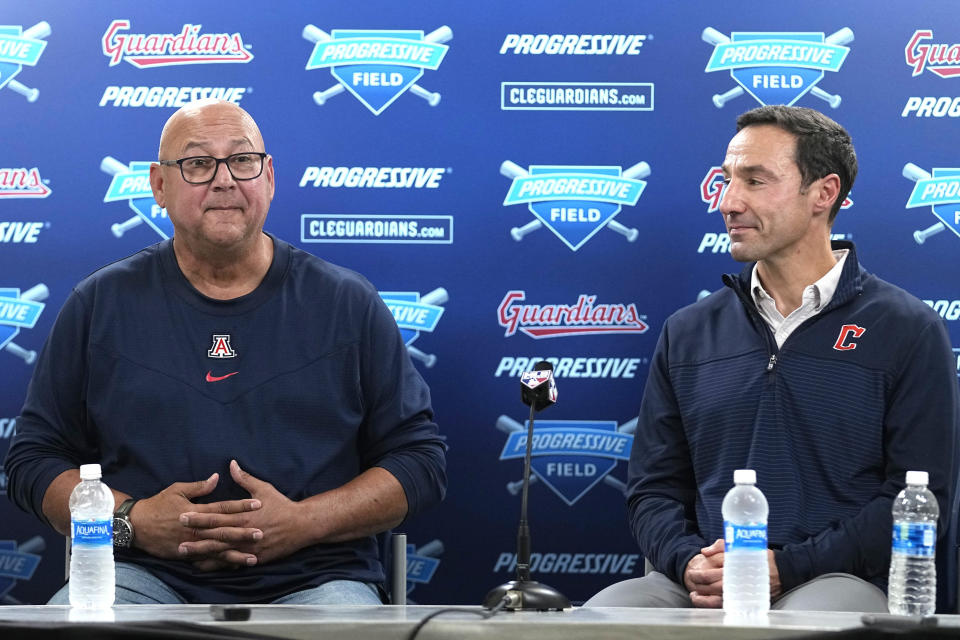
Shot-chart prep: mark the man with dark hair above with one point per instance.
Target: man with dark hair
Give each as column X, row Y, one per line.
column 826, row 380
column 253, row 407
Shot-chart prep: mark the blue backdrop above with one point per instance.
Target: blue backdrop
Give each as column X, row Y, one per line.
column 521, row 180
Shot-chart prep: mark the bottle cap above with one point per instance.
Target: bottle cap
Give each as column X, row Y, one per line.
column 744, row 476
column 918, row 477
column 89, row 472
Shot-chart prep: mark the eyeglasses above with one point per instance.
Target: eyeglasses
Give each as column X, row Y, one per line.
column 202, row 169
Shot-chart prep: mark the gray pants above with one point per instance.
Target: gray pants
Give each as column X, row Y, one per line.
column 829, row 592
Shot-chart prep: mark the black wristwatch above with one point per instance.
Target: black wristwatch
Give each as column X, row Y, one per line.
column 122, row 527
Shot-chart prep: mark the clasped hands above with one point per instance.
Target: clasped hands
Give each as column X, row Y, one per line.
column 218, row 535
column 703, row 576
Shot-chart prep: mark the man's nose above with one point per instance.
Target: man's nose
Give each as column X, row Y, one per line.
column 730, row 201
column 222, row 178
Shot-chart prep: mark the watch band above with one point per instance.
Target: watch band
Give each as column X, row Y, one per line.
column 123, row 533
column 124, row 510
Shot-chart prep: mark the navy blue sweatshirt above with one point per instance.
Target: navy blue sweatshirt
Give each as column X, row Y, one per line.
column 831, row 422
column 319, row 388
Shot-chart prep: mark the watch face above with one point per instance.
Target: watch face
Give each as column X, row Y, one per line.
column 121, row 533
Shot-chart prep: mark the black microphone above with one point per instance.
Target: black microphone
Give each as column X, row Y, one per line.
column 537, row 390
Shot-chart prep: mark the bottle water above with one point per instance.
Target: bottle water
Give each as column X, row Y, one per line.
column 913, row 573
column 92, row 584
column 746, row 574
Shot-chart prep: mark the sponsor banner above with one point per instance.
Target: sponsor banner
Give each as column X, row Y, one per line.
column 422, row 563
column 377, row 65
column 931, row 107
column 190, row 46
column 585, row 367
column 21, row 232
column 572, row 563
column 573, row 44
column 947, row 309
column 132, row 183
column 574, row 201
column 585, row 317
column 777, row 67
column 167, row 97
column 20, row 311
column 374, row 177
column 569, row 456
column 7, row 428
column 940, row 190
column 576, row 96
column 18, row 561
column 415, row 313
column 20, row 182
column 939, row 59
column 378, row 229
column 21, row 47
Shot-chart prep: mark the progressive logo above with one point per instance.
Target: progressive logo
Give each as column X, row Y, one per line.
column 569, row 456
column 376, row 65
column 132, row 183
column 574, row 201
column 586, row 317
column 18, row 561
column 21, row 47
column 415, row 313
column 190, row 46
column 940, row 190
column 422, row 563
column 777, row 67
column 20, row 311
column 20, row 182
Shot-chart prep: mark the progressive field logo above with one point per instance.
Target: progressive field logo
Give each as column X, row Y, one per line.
column 19, row 48
column 415, row 313
column 18, row 561
column 940, row 190
column 190, row 46
column 132, row 183
column 574, row 201
column 376, row 65
column 569, row 456
column 777, row 67
column 20, row 311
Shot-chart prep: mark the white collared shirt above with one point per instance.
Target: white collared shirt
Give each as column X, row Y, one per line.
column 815, row 297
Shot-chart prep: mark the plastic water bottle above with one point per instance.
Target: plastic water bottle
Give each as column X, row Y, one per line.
column 913, row 572
column 746, row 574
column 92, row 584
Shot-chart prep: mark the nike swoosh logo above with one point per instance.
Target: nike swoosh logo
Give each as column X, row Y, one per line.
column 213, row 378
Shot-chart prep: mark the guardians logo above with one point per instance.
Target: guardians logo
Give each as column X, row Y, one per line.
column 20, row 311
column 569, row 456
column 167, row 49
column 940, row 190
column 574, row 202
column 777, row 67
column 22, row 183
column 414, row 314
column 19, row 47
column 132, row 183
column 376, row 65
column 562, row 321
column 940, row 59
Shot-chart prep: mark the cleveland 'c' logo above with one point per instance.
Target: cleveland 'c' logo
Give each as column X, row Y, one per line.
column 848, row 332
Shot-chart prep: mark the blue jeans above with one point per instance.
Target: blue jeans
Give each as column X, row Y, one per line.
column 136, row 585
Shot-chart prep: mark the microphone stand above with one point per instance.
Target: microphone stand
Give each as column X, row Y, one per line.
column 526, row 594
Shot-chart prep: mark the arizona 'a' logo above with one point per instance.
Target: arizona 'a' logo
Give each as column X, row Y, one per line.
column 221, row 347
column 848, row 333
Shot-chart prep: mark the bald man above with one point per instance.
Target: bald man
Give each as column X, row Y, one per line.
column 253, row 408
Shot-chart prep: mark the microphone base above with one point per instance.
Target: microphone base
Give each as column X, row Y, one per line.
column 533, row 596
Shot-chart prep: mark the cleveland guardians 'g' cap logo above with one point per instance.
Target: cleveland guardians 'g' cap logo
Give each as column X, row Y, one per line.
column 414, row 314
column 376, row 65
column 19, row 48
column 941, row 191
column 132, row 183
column 777, row 67
column 569, row 456
column 18, row 562
column 574, row 202
column 20, row 311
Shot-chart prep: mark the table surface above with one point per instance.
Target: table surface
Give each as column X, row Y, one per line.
column 381, row 622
